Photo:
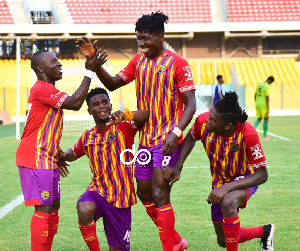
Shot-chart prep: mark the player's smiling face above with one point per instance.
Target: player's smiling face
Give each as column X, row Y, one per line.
column 51, row 67
column 100, row 108
column 150, row 43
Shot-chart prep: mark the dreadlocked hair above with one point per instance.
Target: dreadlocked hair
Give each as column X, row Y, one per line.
column 230, row 109
column 93, row 92
column 153, row 23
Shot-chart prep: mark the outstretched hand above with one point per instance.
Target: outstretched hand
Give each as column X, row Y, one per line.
column 216, row 195
column 171, row 174
column 86, row 47
column 169, row 145
column 116, row 118
column 97, row 61
column 62, row 164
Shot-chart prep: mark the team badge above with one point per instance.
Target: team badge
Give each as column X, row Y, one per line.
column 112, row 136
column 161, row 69
column 234, row 147
column 45, row 195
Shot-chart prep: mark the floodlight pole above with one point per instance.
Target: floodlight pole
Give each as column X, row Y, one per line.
column 18, row 56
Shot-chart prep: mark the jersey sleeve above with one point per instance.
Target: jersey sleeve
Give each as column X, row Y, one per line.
column 195, row 130
column 50, row 96
column 268, row 90
column 254, row 151
column 183, row 75
column 219, row 88
column 128, row 73
column 129, row 128
column 78, row 149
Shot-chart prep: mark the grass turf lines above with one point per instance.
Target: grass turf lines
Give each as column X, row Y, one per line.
column 277, row 201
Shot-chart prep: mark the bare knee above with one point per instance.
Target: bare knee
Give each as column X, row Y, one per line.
column 86, row 211
column 144, row 197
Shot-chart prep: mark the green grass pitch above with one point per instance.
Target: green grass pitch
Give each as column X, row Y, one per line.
column 277, row 201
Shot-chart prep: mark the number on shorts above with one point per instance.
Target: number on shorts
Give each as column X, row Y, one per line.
column 166, row 160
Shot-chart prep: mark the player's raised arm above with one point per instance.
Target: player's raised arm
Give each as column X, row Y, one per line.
column 75, row 101
column 88, row 49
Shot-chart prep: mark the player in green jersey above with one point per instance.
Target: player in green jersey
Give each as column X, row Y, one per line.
column 262, row 104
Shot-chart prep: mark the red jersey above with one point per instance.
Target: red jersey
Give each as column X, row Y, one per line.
column 159, row 82
column 230, row 157
column 43, row 129
column 112, row 179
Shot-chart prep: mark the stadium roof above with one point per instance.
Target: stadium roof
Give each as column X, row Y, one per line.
column 67, row 31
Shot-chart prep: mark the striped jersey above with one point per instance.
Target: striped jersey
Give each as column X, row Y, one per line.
column 112, row 179
column 159, row 82
column 39, row 144
column 230, row 157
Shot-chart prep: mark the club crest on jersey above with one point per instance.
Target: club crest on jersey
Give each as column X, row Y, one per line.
column 161, row 69
column 234, row 147
column 112, row 136
column 45, row 195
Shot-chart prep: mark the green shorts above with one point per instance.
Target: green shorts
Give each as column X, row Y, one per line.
column 261, row 113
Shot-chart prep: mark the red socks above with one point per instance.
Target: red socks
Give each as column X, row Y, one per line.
column 247, row 234
column 90, row 237
column 231, row 228
column 151, row 211
column 53, row 227
column 39, row 231
column 166, row 224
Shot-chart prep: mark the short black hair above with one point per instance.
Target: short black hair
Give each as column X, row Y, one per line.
column 271, row 78
column 93, row 92
column 153, row 23
column 36, row 59
column 230, row 109
column 219, row 76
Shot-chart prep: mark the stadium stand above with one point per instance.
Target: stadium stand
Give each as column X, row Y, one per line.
column 5, row 15
column 254, row 10
column 93, row 12
column 250, row 72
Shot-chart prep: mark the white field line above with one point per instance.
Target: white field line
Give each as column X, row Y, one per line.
column 274, row 135
column 10, row 206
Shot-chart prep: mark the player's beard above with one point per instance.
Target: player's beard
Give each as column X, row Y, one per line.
column 103, row 121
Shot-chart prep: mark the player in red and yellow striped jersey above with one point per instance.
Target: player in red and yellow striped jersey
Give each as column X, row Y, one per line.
column 237, row 164
column 38, row 149
column 164, row 87
column 111, row 192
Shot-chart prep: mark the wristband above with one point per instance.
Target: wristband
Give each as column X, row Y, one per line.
column 128, row 114
column 90, row 74
column 177, row 131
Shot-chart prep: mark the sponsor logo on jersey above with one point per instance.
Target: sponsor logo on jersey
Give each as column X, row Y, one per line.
column 256, row 152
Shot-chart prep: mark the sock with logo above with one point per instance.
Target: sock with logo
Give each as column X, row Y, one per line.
column 231, row 227
column 53, row 227
column 151, row 211
column 39, row 230
column 166, row 224
column 89, row 235
column 247, row 234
